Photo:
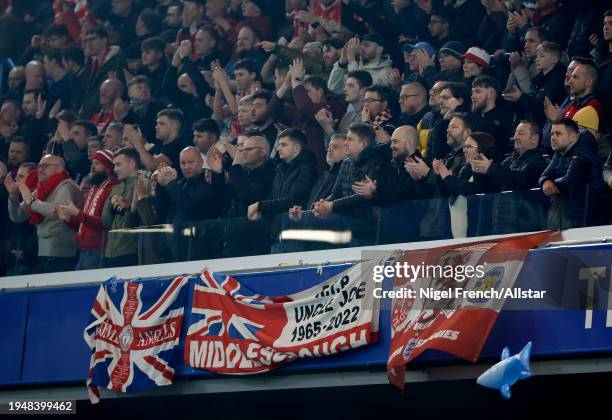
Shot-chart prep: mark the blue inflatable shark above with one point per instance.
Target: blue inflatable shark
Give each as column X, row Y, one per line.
column 504, row 374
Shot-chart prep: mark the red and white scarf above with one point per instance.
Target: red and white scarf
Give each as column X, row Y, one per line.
column 43, row 190
column 94, row 203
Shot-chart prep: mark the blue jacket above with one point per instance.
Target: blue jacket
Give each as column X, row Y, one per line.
column 577, row 172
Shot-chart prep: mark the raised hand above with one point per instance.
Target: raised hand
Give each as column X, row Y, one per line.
column 41, row 106
column 214, row 159
column 297, row 70
column 55, row 109
column 352, row 48
column 184, row 49
column 552, row 111
column 267, row 46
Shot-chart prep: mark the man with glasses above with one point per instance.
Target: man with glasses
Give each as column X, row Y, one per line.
column 100, row 59
column 439, row 28
column 430, row 185
column 431, row 118
column 250, row 180
column 57, row 247
column 413, row 104
column 376, row 108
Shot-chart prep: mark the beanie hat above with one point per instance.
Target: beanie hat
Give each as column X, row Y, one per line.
column 105, row 157
column 478, row 56
column 454, row 48
column 587, row 118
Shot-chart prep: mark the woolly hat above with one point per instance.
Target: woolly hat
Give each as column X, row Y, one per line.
column 478, row 56
column 105, row 157
column 454, row 48
column 587, row 118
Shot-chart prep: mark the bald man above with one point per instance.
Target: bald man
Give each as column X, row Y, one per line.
column 110, row 91
column 16, row 83
column 188, row 199
column 35, row 75
column 57, row 247
column 395, row 184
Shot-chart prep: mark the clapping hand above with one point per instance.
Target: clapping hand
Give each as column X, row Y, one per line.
column 513, row 94
column 66, row 211
column 416, row 168
column 184, row 49
column 119, row 204
column 12, row 187
column 481, row 164
column 165, row 175
column 253, row 212
column 365, row 188
column 295, row 213
column 325, row 120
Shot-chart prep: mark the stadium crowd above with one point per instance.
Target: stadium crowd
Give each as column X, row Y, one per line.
column 233, row 120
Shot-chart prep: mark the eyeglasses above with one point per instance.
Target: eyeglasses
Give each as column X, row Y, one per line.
column 371, row 100
column 405, row 97
column 469, row 146
column 435, row 91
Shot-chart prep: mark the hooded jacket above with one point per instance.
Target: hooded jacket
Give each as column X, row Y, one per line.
column 291, row 185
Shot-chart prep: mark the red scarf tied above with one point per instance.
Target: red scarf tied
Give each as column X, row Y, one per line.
column 43, row 190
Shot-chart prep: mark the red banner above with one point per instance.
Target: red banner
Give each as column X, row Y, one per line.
column 448, row 298
column 235, row 331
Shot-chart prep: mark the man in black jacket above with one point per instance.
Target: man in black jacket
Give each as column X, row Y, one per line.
column 101, row 58
column 250, row 179
column 297, row 218
column 189, row 201
column 519, row 172
column 436, row 222
column 295, row 175
column 573, row 179
column 366, row 161
column 396, row 185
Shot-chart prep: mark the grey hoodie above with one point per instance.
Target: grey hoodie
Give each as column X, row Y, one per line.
column 379, row 72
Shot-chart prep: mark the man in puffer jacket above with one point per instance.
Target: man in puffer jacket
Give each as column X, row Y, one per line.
column 573, row 179
column 295, row 175
column 366, row 160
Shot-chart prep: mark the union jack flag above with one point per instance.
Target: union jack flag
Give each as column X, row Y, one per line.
column 133, row 333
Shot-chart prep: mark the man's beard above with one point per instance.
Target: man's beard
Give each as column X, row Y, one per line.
column 97, row 178
column 478, row 108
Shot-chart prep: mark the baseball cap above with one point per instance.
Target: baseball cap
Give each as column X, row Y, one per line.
column 373, row 37
column 408, row 48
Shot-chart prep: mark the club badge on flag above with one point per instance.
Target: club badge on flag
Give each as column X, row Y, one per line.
column 234, row 331
column 133, row 334
column 435, row 313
